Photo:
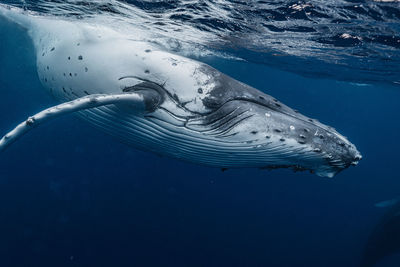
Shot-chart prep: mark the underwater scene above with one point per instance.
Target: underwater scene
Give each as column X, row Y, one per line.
column 200, row 133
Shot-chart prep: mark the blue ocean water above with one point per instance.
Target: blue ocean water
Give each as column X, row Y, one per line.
column 73, row 196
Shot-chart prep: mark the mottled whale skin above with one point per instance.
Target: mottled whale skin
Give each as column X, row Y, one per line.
column 192, row 111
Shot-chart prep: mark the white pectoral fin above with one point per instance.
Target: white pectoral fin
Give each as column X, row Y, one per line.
column 134, row 100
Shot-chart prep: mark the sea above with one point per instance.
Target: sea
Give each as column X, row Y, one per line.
column 71, row 195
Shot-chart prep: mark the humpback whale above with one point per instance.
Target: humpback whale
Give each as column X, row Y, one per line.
column 169, row 104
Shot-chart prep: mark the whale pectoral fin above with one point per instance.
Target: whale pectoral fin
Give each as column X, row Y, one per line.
column 135, row 100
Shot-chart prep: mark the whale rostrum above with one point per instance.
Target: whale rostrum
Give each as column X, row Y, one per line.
column 172, row 105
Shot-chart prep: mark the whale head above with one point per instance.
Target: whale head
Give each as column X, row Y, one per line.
column 286, row 138
column 236, row 125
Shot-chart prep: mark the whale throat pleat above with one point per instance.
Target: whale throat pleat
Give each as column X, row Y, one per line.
column 158, row 136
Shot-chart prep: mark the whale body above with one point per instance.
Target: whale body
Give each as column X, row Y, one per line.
column 182, row 108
